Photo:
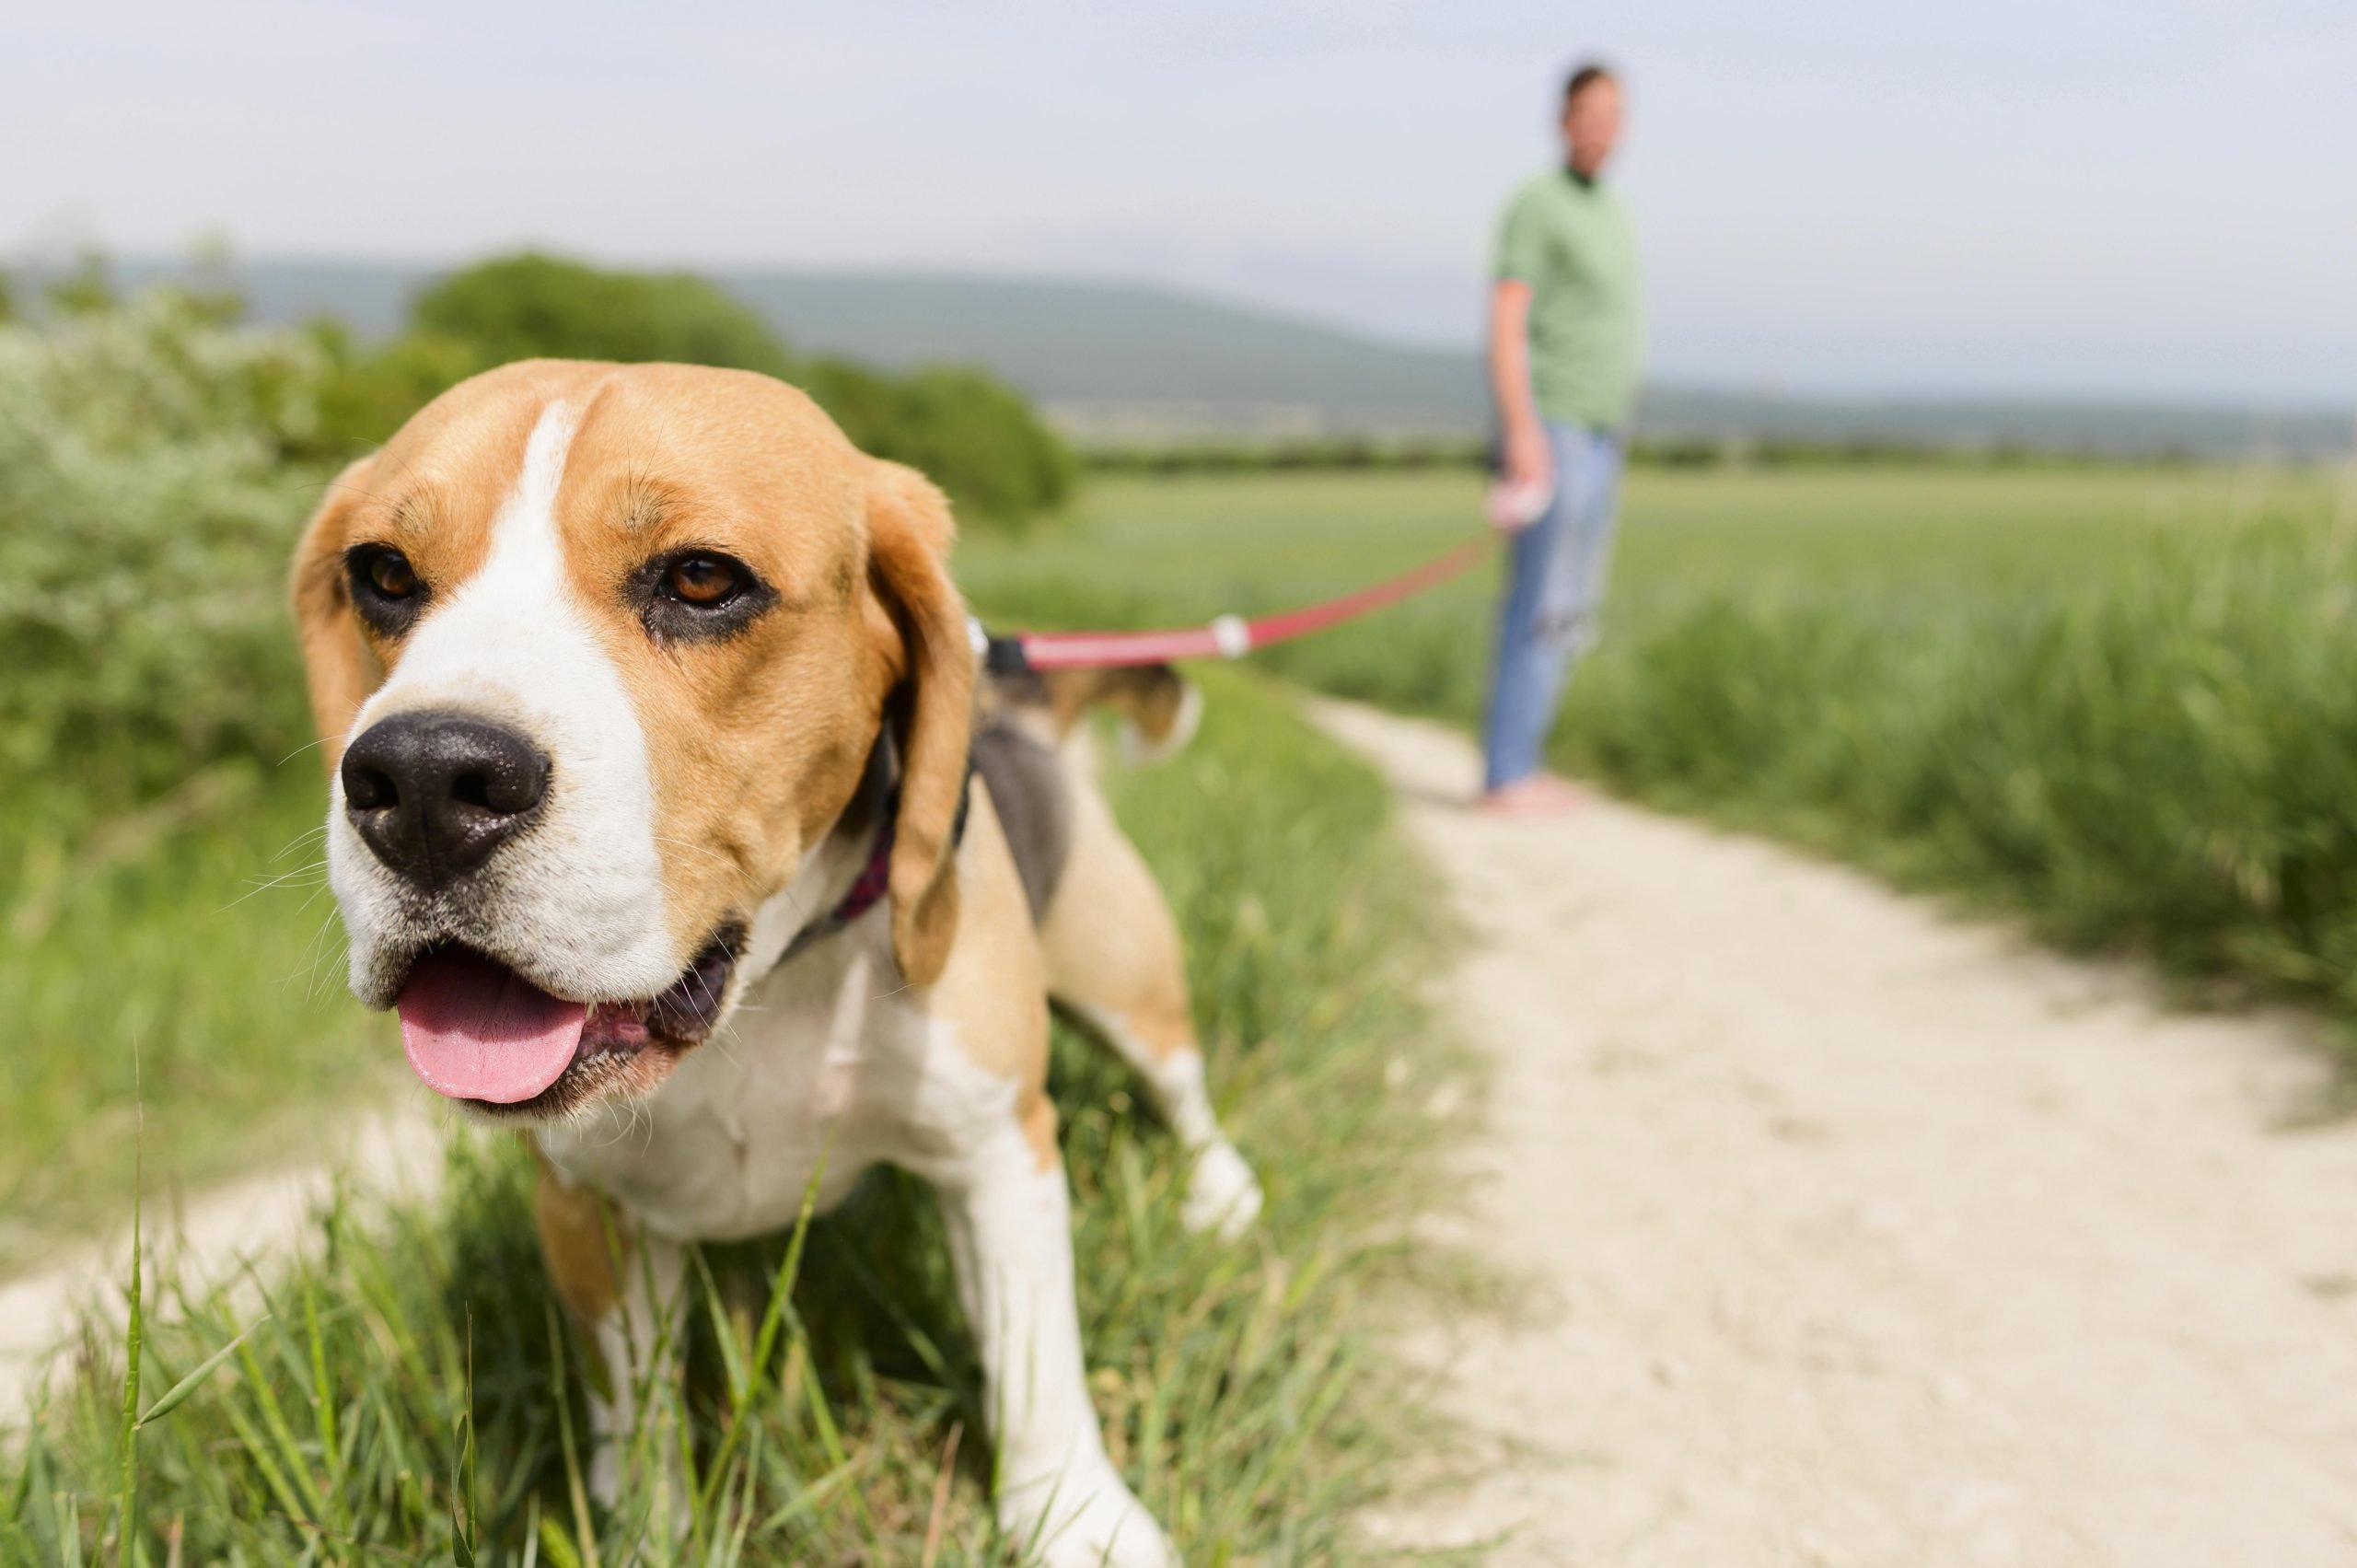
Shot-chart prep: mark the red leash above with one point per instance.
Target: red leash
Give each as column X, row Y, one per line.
column 1232, row 637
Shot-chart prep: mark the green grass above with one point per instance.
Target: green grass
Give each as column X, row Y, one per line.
column 198, row 950
column 1878, row 543
column 2117, row 700
column 406, row 1394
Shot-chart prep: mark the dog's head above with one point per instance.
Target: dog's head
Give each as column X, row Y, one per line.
column 598, row 656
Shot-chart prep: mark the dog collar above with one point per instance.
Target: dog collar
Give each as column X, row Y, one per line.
column 873, row 884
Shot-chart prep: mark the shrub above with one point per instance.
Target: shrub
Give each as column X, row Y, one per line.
column 374, row 389
column 977, row 438
column 145, row 513
column 532, row 305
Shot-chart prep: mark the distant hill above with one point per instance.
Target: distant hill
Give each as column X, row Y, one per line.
column 1132, row 362
column 1108, row 359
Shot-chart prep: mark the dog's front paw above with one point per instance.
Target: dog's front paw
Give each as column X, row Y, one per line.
column 605, row 1474
column 1087, row 1519
column 670, row 1509
column 1221, row 1192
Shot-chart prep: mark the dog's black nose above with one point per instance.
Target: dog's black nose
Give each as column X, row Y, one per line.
column 434, row 793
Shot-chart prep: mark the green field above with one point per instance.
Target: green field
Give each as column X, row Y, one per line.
column 1871, row 542
column 2118, row 700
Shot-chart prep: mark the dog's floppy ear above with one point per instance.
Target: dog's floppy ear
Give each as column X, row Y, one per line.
column 909, row 536
column 337, row 665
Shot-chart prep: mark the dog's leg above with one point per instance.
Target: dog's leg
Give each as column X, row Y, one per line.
column 1009, row 1219
column 1160, row 1044
column 1115, row 967
column 622, row 1285
column 640, row 1345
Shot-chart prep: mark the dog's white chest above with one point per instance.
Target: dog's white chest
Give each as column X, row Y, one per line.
column 828, row 1069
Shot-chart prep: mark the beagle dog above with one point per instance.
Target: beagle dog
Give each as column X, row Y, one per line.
column 669, row 808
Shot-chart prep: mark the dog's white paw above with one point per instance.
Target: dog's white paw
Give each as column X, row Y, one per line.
column 1087, row 1519
column 673, row 1509
column 606, row 1473
column 1221, row 1192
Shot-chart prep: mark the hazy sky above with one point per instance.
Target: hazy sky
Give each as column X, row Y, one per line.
column 2149, row 196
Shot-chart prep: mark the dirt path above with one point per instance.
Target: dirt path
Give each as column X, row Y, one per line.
column 1864, row 1236
column 395, row 1151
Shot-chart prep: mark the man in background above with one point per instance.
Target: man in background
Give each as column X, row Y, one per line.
column 1567, row 341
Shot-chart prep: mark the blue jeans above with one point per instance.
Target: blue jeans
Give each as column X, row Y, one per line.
column 1554, row 589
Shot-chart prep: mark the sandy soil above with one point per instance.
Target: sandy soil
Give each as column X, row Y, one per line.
column 1860, row 1235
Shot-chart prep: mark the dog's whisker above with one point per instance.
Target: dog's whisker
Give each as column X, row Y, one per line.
column 317, row 869
column 300, row 840
column 342, row 953
column 308, row 971
column 257, row 886
column 711, row 855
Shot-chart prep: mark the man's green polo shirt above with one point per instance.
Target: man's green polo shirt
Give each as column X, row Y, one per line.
column 1572, row 242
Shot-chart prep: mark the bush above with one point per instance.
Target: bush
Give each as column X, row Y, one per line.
column 145, row 513
column 978, row 439
column 374, row 389
column 532, row 305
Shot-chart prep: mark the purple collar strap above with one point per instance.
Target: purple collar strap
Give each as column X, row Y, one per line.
column 873, row 884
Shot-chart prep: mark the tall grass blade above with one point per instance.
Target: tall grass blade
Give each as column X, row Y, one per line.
column 179, row 1393
column 462, row 1466
column 127, row 1436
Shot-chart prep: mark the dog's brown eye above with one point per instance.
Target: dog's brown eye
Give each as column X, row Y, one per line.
column 390, row 574
column 703, row 580
column 698, row 595
column 385, row 587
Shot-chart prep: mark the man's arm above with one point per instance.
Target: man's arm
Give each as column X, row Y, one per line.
column 1528, row 459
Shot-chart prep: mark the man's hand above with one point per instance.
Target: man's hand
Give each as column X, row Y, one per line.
column 1530, row 461
column 1521, row 493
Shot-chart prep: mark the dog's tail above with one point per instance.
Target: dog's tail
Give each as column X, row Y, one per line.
column 1159, row 708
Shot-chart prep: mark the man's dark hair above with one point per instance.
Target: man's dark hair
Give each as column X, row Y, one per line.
column 1585, row 75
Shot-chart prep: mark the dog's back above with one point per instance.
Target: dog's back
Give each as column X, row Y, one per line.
column 1026, row 722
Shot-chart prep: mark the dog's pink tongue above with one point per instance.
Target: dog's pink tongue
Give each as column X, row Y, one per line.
column 476, row 1029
